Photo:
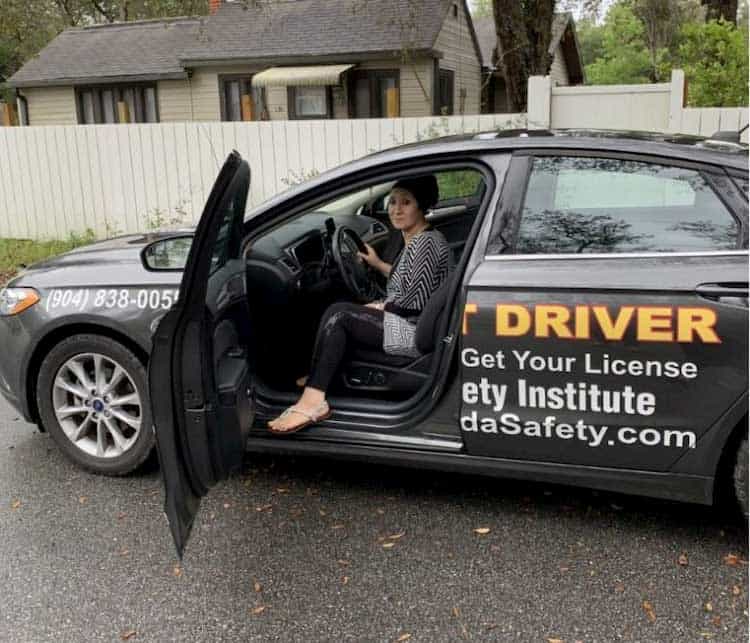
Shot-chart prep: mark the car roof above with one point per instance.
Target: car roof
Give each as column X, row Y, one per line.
column 677, row 146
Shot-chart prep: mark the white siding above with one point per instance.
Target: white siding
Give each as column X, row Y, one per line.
column 415, row 83
column 51, row 105
column 558, row 70
column 460, row 56
column 277, row 103
column 173, row 97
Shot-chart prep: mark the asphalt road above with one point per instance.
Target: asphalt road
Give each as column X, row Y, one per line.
column 310, row 550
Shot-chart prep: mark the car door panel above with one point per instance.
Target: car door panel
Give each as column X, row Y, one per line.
column 685, row 405
column 200, row 375
column 547, row 339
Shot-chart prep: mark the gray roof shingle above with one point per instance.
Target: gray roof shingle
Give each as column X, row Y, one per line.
column 317, row 28
column 145, row 49
column 238, row 31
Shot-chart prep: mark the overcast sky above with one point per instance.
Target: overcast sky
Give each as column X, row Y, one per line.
column 575, row 7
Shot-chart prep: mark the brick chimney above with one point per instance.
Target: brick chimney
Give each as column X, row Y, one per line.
column 213, row 6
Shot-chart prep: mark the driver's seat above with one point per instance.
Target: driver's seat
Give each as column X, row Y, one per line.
column 372, row 370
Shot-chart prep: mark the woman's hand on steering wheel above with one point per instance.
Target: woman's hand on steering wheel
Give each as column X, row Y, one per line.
column 347, row 249
column 372, row 259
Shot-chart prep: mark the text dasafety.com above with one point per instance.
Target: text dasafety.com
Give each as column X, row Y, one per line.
column 583, row 397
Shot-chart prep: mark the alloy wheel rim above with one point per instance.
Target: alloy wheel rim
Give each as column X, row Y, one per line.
column 97, row 405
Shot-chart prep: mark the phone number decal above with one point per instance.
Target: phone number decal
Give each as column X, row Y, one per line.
column 111, row 298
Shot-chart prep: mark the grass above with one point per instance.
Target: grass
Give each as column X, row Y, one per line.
column 15, row 253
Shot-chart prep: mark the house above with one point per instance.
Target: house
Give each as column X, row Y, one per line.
column 253, row 61
column 566, row 67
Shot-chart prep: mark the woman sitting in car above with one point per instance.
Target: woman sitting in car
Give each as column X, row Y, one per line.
column 389, row 325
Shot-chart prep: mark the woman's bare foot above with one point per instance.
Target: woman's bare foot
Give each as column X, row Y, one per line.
column 309, row 409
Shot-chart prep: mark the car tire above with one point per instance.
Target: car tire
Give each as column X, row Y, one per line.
column 740, row 477
column 109, row 431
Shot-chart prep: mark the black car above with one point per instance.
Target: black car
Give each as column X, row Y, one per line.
column 593, row 331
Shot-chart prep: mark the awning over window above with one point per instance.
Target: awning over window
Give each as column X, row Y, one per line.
column 312, row 76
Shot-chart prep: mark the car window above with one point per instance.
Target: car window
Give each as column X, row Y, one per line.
column 600, row 205
column 227, row 243
column 741, row 182
column 459, row 184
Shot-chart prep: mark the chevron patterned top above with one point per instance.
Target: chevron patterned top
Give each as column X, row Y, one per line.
column 417, row 273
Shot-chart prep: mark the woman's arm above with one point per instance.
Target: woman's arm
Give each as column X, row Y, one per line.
column 371, row 258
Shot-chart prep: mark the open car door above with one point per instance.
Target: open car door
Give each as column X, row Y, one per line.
column 200, row 378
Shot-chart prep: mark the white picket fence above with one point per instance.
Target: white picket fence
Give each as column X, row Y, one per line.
column 115, row 179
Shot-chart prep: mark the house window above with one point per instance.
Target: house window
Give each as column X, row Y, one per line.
column 445, row 94
column 100, row 104
column 309, row 102
column 239, row 100
column 369, row 92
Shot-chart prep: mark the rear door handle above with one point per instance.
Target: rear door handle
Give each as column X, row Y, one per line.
column 733, row 292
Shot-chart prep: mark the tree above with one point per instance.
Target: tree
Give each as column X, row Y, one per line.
column 625, row 57
column 721, row 9
column 714, row 56
column 27, row 26
column 524, row 31
column 662, row 21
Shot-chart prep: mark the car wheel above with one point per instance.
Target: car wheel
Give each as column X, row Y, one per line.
column 740, row 477
column 93, row 400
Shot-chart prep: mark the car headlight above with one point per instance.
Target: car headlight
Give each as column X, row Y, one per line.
column 16, row 300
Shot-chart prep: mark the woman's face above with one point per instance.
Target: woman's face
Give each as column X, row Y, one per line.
column 404, row 211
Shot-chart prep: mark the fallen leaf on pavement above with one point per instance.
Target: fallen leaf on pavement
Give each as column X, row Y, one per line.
column 482, row 531
column 403, row 637
column 733, row 560
column 122, row 515
column 15, row 504
column 707, row 635
column 255, row 611
column 619, row 588
column 123, row 552
column 282, row 490
column 127, row 635
column 338, row 526
column 555, row 641
column 564, row 569
column 396, row 536
column 83, row 500
column 736, row 590
column 682, row 559
column 343, row 562
column 227, row 505
column 264, row 508
column 258, row 587
column 456, row 612
column 650, row 613
column 709, row 607
column 177, row 571
column 380, row 511
column 716, row 620
column 344, row 580
column 388, row 545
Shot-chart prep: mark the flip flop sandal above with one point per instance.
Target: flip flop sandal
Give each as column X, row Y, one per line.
column 312, row 418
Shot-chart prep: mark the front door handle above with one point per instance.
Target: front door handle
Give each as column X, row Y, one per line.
column 732, row 292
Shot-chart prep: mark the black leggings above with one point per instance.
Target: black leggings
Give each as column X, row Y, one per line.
column 342, row 325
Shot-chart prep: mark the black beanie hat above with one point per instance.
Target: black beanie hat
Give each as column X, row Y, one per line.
column 424, row 188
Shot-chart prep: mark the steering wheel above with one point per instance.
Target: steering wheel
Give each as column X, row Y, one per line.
column 356, row 273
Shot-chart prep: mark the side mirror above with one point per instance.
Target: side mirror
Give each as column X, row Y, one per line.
column 167, row 254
